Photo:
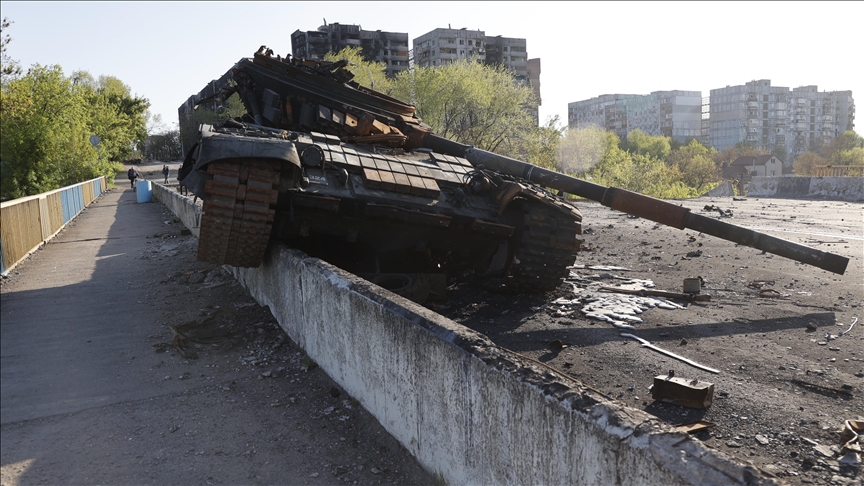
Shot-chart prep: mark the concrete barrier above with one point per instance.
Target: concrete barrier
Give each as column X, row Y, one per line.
column 838, row 188
column 843, row 188
column 186, row 211
column 471, row 411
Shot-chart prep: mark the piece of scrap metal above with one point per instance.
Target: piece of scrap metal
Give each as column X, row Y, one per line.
column 851, row 435
column 769, row 294
column 694, row 427
column 646, row 344
column 681, row 391
column 854, row 320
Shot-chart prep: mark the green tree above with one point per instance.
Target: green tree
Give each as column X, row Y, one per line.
column 853, row 156
column 845, row 149
column 695, row 165
column 232, row 108
column 164, row 146
column 470, row 103
column 115, row 115
column 43, row 134
column 371, row 74
column 640, row 173
column 638, row 142
column 806, row 163
column 46, row 122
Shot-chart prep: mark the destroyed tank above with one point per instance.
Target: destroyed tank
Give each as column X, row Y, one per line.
column 353, row 176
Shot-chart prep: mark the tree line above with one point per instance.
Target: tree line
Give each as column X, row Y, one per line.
column 48, row 120
column 846, row 149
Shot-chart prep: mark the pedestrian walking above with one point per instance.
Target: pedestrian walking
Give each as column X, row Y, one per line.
column 132, row 174
column 165, row 171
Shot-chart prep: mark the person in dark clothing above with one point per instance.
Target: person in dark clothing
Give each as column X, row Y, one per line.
column 132, row 174
column 165, row 172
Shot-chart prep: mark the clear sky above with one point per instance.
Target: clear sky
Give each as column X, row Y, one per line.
column 167, row 51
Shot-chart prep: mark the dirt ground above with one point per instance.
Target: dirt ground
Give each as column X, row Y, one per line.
column 788, row 379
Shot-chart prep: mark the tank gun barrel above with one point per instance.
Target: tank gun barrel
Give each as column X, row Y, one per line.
column 641, row 205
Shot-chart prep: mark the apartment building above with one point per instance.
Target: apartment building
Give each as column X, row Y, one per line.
column 444, row 46
column 676, row 114
column 783, row 121
column 391, row 48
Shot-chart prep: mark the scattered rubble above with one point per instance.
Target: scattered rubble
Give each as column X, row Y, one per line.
column 765, row 408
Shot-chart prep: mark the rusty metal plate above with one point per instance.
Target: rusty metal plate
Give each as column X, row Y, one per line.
column 452, row 178
column 403, row 185
column 437, row 174
column 694, row 427
column 460, row 170
column 388, row 182
column 337, row 157
column 680, row 391
column 417, row 186
column 371, row 178
column 411, row 170
column 352, row 159
column 382, row 165
column 432, row 188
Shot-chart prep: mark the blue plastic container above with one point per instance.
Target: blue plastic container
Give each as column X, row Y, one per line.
column 144, row 190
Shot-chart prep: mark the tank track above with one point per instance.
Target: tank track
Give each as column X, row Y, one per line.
column 547, row 246
column 238, row 216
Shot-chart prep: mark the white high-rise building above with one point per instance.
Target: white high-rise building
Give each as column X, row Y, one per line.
column 783, row 121
column 676, row 114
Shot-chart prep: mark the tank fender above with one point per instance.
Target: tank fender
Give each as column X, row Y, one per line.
column 508, row 190
column 214, row 145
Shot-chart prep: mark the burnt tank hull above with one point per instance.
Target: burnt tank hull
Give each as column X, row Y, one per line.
column 374, row 209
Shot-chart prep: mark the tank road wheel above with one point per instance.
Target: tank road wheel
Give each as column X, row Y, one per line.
column 547, row 244
column 238, row 216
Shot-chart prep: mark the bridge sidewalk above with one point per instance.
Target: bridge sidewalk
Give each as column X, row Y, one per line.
column 87, row 399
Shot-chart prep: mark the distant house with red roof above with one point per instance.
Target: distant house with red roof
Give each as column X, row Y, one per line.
column 747, row 166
